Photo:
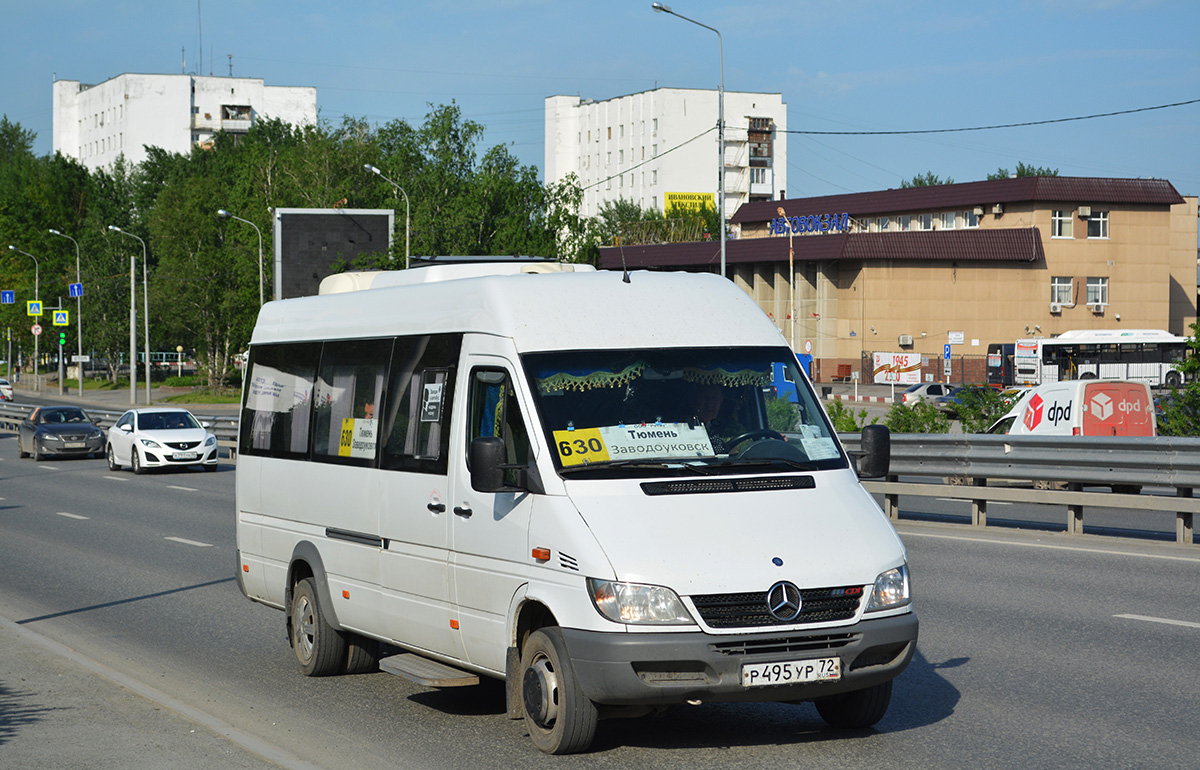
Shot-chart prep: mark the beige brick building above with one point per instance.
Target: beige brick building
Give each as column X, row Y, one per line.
column 994, row 261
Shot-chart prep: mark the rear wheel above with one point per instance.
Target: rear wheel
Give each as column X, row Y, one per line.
column 858, row 709
column 319, row 648
column 561, row 719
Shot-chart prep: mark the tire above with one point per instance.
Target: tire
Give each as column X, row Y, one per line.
column 362, row 654
column 559, row 716
column 37, row 455
column 320, row 649
column 136, row 461
column 1174, row 379
column 858, row 709
column 109, row 455
column 209, row 468
column 20, row 451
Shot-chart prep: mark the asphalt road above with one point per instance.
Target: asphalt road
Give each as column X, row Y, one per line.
column 1037, row 650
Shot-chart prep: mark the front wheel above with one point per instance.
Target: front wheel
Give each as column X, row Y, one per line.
column 858, row 709
column 561, row 719
column 135, row 460
column 319, row 648
column 113, row 465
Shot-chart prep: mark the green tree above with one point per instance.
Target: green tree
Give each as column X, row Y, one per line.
column 845, row 420
column 1179, row 412
column 928, row 179
column 1023, row 170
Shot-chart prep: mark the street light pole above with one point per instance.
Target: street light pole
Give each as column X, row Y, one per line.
column 791, row 279
column 37, row 383
column 78, row 307
column 407, row 226
column 133, row 320
column 223, row 214
column 660, row 8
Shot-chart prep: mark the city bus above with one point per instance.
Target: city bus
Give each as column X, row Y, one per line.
column 1000, row 366
column 1145, row 355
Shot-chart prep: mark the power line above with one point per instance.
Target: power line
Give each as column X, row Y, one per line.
column 988, row 128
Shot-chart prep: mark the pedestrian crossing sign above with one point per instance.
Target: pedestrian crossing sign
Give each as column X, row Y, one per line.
column 61, row 318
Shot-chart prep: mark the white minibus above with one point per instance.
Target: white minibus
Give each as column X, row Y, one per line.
column 579, row 482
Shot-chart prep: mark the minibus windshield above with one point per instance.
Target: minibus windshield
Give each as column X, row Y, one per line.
column 679, row 411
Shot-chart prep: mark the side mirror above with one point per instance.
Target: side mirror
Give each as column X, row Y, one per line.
column 487, row 457
column 127, row 428
column 876, row 456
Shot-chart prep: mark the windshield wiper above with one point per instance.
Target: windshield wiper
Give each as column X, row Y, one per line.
column 758, row 462
column 649, row 464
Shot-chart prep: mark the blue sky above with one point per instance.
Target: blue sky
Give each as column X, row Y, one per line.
column 841, row 65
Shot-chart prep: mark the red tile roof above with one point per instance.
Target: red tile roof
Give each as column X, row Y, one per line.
column 1082, row 190
column 974, row 245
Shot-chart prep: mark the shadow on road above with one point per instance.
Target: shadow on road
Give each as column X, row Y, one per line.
column 130, row 600
column 16, row 713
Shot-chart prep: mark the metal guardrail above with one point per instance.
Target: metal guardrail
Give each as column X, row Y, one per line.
column 964, row 465
column 224, row 427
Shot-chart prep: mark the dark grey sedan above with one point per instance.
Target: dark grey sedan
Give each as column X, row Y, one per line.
column 57, row 431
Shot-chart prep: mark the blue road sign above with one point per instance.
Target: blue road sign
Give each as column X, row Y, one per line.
column 8, row 298
column 946, row 351
column 75, row 289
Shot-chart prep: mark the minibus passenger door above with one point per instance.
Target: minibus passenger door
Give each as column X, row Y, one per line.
column 490, row 552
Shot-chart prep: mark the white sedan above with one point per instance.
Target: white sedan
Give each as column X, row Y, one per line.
column 158, row 438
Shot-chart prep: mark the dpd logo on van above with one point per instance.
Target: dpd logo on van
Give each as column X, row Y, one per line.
column 1033, row 412
column 1102, row 406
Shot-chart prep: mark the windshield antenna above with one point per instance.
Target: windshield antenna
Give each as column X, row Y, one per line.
column 624, row 267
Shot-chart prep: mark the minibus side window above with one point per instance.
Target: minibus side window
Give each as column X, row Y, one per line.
column 495, row 412
column 278, row 400
column 349, row 396
column 420, row 394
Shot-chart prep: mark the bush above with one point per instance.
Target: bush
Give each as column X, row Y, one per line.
column 845, row 420
column 979, row 407
column 918, row 418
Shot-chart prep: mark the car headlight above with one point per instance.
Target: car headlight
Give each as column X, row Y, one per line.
column 95, row 434
column 149, row 443
column 210, row 441
column 51, row 437
column 891, row 590
column 637, row 604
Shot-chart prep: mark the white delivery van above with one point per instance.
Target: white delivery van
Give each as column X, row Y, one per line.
column 1082, row 408
column 578, row 482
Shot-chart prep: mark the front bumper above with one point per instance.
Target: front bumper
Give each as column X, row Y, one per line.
column 161, row 458
column 626, row 669
column 48, row 448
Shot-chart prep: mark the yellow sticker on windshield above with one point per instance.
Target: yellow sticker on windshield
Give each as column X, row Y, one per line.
column 577, row 447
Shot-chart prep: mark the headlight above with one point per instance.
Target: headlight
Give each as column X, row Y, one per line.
column 50, row 437
column 149, row 443
column 891, row 590
column 95, row 434
column 638, row 604
column 210, row 441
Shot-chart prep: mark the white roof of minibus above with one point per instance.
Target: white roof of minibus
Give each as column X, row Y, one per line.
column 539, row 311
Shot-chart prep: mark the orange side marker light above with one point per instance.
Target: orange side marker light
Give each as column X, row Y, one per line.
column 541, row 554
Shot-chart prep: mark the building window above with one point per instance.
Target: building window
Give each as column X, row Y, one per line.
column 1097, row 290
column 1098, row 224
column 1060, row 289
column 926, row 221
column 904, row 221
column 885, row 224
column 970, row 218
column 654, row 124
column 610, row 132
column 608, row 159
column 947, row 220
column 654, row 151
column 622, row 134
column 620, row 156
column 654, row 177
column 1061, row 224
column 758, row 176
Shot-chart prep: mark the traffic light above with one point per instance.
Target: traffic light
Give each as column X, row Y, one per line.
column 62, row 338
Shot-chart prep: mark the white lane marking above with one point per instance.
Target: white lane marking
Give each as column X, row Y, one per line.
column 48, row 467
column 224, row 729
column 910, row 533
column 188, row 542
column 185, row 489
column 72, row 515
column 116, row 478
column 1168, row 621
